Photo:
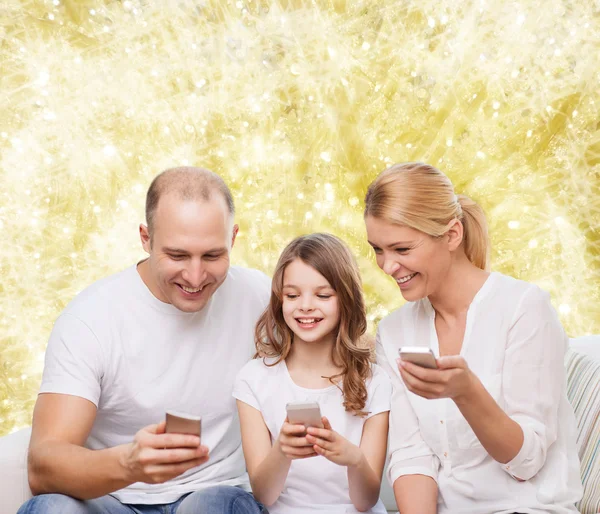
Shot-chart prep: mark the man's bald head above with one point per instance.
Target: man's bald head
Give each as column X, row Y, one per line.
column 188, row 183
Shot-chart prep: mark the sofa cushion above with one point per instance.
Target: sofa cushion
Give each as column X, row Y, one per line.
column 583, row 390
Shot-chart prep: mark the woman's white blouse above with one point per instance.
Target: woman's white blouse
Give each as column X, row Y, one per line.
column 515, row 344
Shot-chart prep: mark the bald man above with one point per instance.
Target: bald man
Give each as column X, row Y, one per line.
column 169, row 333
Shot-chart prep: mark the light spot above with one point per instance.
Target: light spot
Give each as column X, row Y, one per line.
column 109, row 151
column 564, row 308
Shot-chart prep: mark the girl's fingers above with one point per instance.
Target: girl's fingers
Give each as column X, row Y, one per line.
column 326, row 423
column 322, row 433
column 288, row 429
column 297, row 452
column 321, row 451
column 296, row 442
column 313, row 454
column 321, row 443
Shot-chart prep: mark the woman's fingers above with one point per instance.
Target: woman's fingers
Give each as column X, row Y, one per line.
column 417, row 386
column 432, row 376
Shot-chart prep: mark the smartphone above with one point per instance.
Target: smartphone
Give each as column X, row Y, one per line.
column 304, row 413
column 419, row 355
column 181, row 423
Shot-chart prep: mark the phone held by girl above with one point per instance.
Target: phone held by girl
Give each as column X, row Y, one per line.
column 311, row 361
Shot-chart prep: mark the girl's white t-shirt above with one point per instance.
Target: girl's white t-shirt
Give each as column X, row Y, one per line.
column 313, row 484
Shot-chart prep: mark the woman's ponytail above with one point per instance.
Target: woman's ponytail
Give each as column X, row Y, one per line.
column 475, row 239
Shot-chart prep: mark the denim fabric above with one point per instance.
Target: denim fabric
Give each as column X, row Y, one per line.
column 214, row 500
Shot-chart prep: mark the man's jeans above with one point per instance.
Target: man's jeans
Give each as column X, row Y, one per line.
column 214, row 500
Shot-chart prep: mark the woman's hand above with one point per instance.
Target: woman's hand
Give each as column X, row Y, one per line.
column 333, row 446
column 292, row 442
column 453, row 379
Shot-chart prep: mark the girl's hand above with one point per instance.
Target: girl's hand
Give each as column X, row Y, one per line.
column 292, row 442
column 453, row 378
column 333, row 446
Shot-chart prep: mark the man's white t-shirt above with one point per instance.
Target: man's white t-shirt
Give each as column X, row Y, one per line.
column 135, row 357
column 313, row 484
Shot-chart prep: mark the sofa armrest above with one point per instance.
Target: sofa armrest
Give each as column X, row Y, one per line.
column 588, row 345
column 14, row 486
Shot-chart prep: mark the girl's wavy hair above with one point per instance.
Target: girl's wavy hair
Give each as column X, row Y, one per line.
column 273, row 338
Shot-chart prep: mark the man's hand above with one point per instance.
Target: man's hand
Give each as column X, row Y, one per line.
column 453, row 379
column 333, row 446
column 155, row 457
column 292, row 442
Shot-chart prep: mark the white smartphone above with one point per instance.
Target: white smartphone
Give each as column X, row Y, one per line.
column 304, row 413
column 419, row 355
column 181, row 423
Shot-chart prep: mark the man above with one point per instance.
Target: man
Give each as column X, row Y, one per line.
column 167, row 334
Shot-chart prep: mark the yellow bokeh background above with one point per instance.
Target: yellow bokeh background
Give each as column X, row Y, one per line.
column 298, row 105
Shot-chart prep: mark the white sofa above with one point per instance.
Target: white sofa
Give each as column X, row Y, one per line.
column 14, row 488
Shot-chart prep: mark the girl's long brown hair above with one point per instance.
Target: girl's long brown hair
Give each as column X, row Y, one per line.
column 273, row 338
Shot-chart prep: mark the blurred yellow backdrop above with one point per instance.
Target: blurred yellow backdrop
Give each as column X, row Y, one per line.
column 298, row 105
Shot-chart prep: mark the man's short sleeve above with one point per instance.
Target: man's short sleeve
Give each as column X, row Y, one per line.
column 74, row 360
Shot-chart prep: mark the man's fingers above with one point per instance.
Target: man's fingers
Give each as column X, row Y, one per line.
column 160, row 473
column 177, row 455
column 157, row 428
column 174, row 441
column 153, row 456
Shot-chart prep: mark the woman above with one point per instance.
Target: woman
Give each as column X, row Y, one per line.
column 490, row 430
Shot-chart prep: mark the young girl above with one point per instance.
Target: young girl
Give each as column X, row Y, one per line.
column 308, row 349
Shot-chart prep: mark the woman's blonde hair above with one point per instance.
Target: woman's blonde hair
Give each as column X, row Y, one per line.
column 420, row 196
column 273, row 338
